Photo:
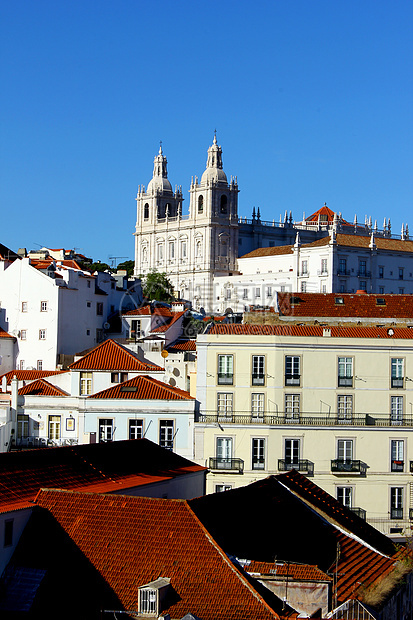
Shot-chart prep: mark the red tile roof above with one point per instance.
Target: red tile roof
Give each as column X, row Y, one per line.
column 131, row 541
column 103, row 467
column 311, row 331
column 300, row 572
column 351, row 305
column 324, row 211
column 41, row 388
column 110, row 355
column 4, row 334
column 143, row 388
column 145, row 311
column 187, row 345
column 30, row 375
column 175, row 317
column 274, row 251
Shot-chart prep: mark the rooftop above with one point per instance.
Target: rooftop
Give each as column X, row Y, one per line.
column 318, row 331
column 41, row 387
column 143, row 388
column 29, row 375
column 110, row 355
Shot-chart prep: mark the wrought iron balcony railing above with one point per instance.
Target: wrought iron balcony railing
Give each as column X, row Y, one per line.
column 348, row 466
column 302, row 465
column 397, row 465
column 306, row 419
column 258, row 379
column 225, row 378
column 360, row 512
column 226, row 464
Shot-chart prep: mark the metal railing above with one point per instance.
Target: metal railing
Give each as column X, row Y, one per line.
column 258, row 379
column 343, row 272
column 360, row 512
column 226, row 464
column 43, row 442
column 307, row 419
column 363, row 274
column 225, row 378
column 302, row 465
column 397, row 465
column 348, row 466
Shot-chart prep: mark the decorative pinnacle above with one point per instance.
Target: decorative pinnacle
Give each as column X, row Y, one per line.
column 215, row 136
column 160, row 147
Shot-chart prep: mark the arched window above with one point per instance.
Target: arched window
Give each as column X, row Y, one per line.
column 198, row 248
column 144, row 254
column 224, row 201
column 200, row 204
column 224, row 247
column 146, row 212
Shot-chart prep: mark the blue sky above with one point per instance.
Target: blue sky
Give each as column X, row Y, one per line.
column 312, row 102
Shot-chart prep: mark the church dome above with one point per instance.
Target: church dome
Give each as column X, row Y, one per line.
column 214, row 171
column 159, row 183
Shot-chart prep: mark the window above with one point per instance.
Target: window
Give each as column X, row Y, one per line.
column 88, row 283
column 344, row 408
column 105, row 430
column 397, row 454
column 198, row 248
column 381, row 272
column 166, row 434
column 220, row 488
column 148, row 601
column 396, row 503
column 85, row 383
column 228, row 294
column 257, row 405
column 342, row 266
column 22, row 364
column 224, row 202
column 23, row 334
column 99, row 308
column 160, row 252
column 269, row 291
column 225, row 404
column 43, row 306
column 8, row 533
column 258, row 370
column 401, row 291
column 146, row 212
column 22, row 425
column 245, row 293
column 54, row 427
column 396, row 410
column 401, row 273
column 292, row 370
column 42, row 334
column 345, row 372
column 397, row 372
column 118, row 377
column 200, row 204
column 304, row 267
column 135, row 429
column 345, row 449
column 258, row 454
column 88, row 332
column 363, row 285
column 25, row 306
column 224, row 452
column 39, row 364
column 292, row 407
column 303, row 287
column 88, row 304
column 183, row 249
column 292, row 452
column 257, row 292
column 323, row 265
column 99, row 335
column 171, row 250
column 225, row 369
column 362, row 268
column 344, row 496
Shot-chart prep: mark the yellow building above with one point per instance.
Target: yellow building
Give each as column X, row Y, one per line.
column 333, row 402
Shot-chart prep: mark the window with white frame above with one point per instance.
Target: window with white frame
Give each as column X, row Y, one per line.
column 396, row 503
column 160, row 252
column 22, row 425
column 345, row 449
column 304, row 287
column 257, row 292
column 224, row 451
column 245, row 293
column 292, row 407
column 292, row 453
column 396, row 410
column 42, row 334
column 292, row 370
column 269, row 291
column 397, row 372
column 344, row 496
column 220, row 488
column 323, row 265
column 118, row 377
column 225, row 369
column 397, row 454
column 344, row 407
column 258, row 370
column 43, row 306
column 22, row 364
column 54, row 427
column 171, row 250
column 345, row 372
column 183, row 249
column 23, row 334
column 166, row 434
column 105, row 430
column 148, row 599
column 257, row 405
column 85, row 383
column 225, row 401
column 25, row 306
column 304, row 267
column 135, row 429
column 362, row 267
column 39, row 364
column 258, row 453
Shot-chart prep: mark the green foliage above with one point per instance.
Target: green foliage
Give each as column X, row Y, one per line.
column 129, row 265
column 92, row 267
column 156, row 285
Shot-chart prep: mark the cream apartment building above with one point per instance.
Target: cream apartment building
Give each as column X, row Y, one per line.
column 333, row 402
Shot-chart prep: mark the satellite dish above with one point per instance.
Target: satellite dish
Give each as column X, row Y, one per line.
column 169, row 368
column 106, row 325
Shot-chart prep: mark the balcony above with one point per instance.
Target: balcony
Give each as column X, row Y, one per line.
column 345, row 381
column 225, row 378
column 363, row 274
column 292, row 379
column 258, row 464
column 348, row 466
column 343, row 272
column 396, row 513
column 226, row 464
column 31, row 442
column 307, row 419
column 322, row 272
column 360, row 512
column 258, row 379
column 397, row 465
column 303, row 466
column 397, row 382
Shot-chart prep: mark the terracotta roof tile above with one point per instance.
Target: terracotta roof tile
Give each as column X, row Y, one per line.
column 30, row 375
column 110, row 355
column 130, row 541
column 144, row 311
column 349, row 305
column 41, row 387
column 175, row 317
column 143, row 388
column 314, row 217
column 310, row 331
column 4, row 334
column 186, row 345
column 302, row 572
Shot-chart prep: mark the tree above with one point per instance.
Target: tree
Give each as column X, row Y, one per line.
column 156, row 285
column 128, row 265
column 92, row 267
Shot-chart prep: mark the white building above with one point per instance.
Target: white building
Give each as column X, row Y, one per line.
column 55, row 310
